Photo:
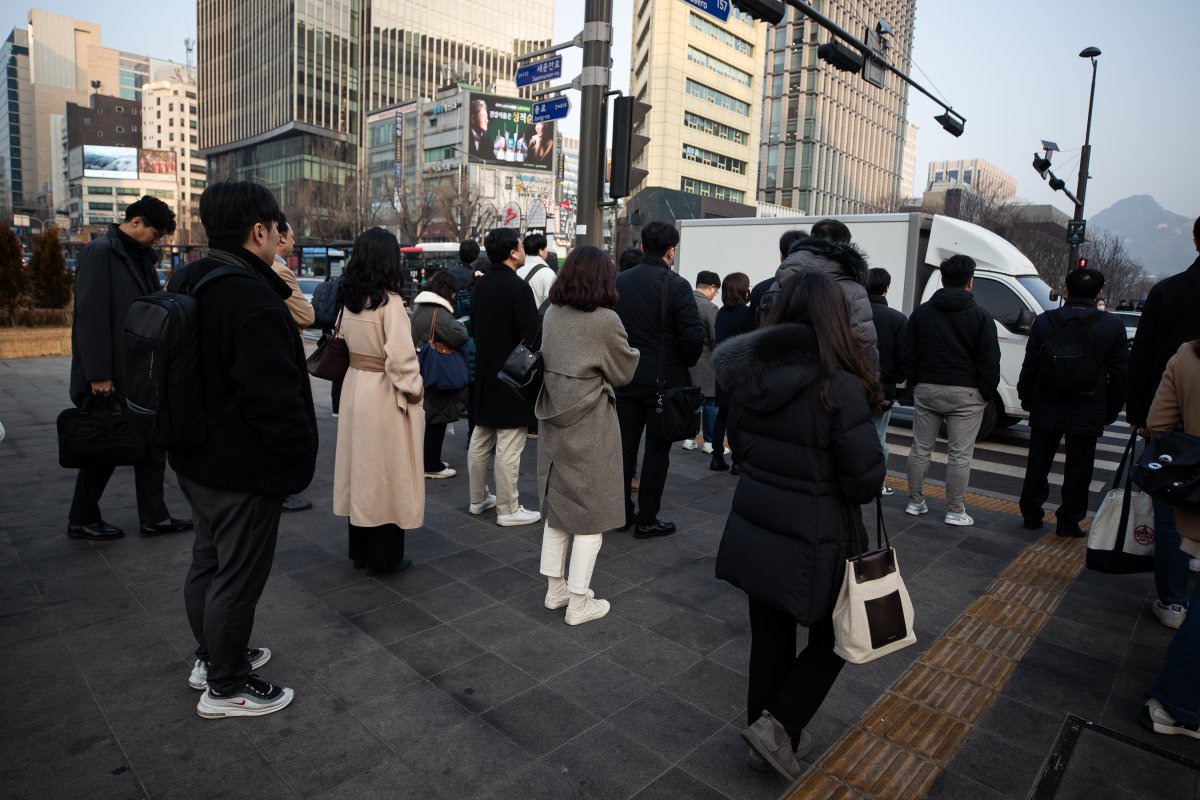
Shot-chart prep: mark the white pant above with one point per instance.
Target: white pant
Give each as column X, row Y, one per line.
column 583, row 557
column 508, row 444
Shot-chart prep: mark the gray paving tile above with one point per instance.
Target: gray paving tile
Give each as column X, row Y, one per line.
column 653, row 657
column 506, row 582
column 463, row 760
column 482, row 682
column 999, row 763
column 696, row 631
column 665, row 724
column 711, row 687
column 535, row 782
column 1030, row 727
column 600, row 686
column 720, row 762
column 465, row 565
column 324, row 757
column 605, row 764
column 452, row 601
column 545, row 652
column 675, row 784
column 951, row 785
column 393, row 622
column 390, row 779
column 539, row 720
column 432, row 651
column 404, row 718
column 1141, row 773
column 358, row 598
column 495, row 625
column 360, row 678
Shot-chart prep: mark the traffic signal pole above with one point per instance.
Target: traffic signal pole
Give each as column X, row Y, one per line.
column 597, row 55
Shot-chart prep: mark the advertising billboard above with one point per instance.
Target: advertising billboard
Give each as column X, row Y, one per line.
column 501, row 132
column 110, row 162
column 156, row 162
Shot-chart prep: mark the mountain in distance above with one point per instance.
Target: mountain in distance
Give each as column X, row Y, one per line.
column 1160, row 239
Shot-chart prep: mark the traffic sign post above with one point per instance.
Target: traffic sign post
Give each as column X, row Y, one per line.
column 1076, row 232
column 539, row 71
column 714, row 8
column 552, row 109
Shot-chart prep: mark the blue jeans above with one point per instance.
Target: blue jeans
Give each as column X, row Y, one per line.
column 1176, row 686
column 1170, row 562
column 708, row 417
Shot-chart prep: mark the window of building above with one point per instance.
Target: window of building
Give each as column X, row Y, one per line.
column 718, row 66
column 952, row 176
column 120, row 129
column 706, row 189
column 711, row 159
column 721, row 99
column 100, row 190
column 193, row 139
column 120, row 109
column 100, row 206
column 127, row 191
column 170, row 106
column 937, row 176
column 170, row 137
column 197, row 184
column 701, row 24
column 714, row 128
column 967, row 176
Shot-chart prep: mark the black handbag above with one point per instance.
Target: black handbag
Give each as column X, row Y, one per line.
column 677, row 409
column 523, row 372
column 331, row 359
column 98, row 434
column 1169, row 469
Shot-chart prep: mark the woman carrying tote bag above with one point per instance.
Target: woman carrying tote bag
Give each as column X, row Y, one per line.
column 803, row 396
column 433, row 311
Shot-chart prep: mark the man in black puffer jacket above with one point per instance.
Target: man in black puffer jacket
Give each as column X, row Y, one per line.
column 1080, row 417
column 261, row 445
column 949, row 351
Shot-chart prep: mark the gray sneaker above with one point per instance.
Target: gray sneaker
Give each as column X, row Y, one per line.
column 769, row 738
column 199, row 677
column 255, row 699
column 759, row 764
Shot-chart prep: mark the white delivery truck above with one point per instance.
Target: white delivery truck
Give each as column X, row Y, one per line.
column 910, row 247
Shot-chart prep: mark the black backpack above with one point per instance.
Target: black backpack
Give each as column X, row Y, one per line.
column 325, row 305
column 162, row 364
column 1067, row 359
column 769, row 298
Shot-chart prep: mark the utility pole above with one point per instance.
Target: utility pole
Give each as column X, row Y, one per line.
column 597, row 55
column 1085, row 159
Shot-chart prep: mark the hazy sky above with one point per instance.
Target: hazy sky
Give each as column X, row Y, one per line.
column 1011, row 68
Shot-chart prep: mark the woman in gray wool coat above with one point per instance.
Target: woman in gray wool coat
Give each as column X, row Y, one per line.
column 586, row 354
column 434, row 309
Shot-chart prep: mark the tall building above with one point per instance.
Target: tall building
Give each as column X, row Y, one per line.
column 908, row 164
column 171, row 121
column 287, row 107
column 703, row 79
column 831, row 143
column 982, row 178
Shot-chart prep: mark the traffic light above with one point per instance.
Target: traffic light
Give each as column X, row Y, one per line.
column 951, row 123
column 769, row 11
column 1082, row 264
column 628, row 114
column 841, row 56
column 1042, row 165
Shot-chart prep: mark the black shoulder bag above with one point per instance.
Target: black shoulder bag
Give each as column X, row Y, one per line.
column 677, row 410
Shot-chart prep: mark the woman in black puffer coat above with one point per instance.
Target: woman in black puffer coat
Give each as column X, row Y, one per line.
column 810, row 456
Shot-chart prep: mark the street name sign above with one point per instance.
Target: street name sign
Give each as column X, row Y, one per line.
column 714, row 8
column 539, row 71
column 552, row 109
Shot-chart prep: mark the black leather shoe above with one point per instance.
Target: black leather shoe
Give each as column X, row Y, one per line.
column 656, row 528
column 1032, row 524
column 718, row 464
column 296, row 502
column 172, row 525
column 736, row 469
column 99, row 531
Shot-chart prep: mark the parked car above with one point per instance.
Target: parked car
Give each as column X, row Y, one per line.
column 308, row 286
column 1130, row 320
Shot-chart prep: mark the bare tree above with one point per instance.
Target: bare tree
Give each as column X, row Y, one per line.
column 1123, row 274
column 463, row 208
column 414, row 205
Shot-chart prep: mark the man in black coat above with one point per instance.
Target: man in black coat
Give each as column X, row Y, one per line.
column 889, row 328
column 1168, row 320
column 677, row 342
column 110, row 274
column 1080, row 417
column 502, row 316
column 950, row 353
column 261, row 444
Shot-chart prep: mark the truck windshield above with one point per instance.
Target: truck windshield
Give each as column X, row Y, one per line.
column 1040, row 291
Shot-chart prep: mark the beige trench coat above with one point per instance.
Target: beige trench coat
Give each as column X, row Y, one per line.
column 1177, row 404
column 379, row 469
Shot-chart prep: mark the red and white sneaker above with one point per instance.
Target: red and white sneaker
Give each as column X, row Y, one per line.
column 254, row 699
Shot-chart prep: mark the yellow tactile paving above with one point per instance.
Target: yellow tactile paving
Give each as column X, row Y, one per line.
column 902, row 743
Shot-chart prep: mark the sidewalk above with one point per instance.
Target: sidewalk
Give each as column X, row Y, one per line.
column 452, row 681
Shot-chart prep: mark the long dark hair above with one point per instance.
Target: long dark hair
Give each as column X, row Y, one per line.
column 372, row 273
column 587, row 281
column 814, row 299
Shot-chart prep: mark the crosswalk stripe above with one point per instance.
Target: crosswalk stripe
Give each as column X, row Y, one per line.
column 995, row 468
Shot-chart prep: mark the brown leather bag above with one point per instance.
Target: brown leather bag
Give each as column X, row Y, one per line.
column 331, row 359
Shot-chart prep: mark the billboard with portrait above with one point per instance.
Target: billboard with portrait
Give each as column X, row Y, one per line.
column 501, row 132
column 156, row 162
column 110, row 162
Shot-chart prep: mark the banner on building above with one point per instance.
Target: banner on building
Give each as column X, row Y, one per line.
column 110, row 162
column 156, row 162
column 501, row 131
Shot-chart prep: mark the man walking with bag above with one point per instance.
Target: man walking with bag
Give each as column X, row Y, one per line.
column 1072, row 384
column 670, row 344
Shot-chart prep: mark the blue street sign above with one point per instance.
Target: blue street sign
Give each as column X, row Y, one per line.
column 554, row 108
column 715, row 8
column 539, row 71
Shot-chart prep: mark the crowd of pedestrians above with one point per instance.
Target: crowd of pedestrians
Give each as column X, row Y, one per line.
column 797, row 377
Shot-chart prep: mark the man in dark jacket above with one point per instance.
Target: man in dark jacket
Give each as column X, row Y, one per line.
column 502, row 316
column 1078, row 416
column 464, row 271
column 261, row 445
column 110, row 274
column 889, row 327
column 786, row 241
column 949, row 351
column 677, row 342
column 1168, row 320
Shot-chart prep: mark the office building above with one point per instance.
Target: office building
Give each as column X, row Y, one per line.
column 977, row 175
column 832, row 143
column 703, row 79
column 908, row 163
column 290, row 111
column 171, row 121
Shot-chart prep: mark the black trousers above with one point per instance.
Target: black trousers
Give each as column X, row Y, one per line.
column 435, row 435
column 1077, row 476
column 634, row 410
column 148, row 480
column 380, row 548
column 231, row 561
column 720, row 429
column 791, row 687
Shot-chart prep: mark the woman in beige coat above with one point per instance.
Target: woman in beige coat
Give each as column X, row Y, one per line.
column 378, row 474
column 586, row 354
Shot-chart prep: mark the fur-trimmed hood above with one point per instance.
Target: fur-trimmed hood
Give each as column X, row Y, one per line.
column 767, row 368
column 434, row 299
column 837, row 260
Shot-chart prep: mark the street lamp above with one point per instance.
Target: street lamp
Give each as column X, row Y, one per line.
column 1084, row 159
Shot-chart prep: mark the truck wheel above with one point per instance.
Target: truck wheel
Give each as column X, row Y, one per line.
column 991, row 414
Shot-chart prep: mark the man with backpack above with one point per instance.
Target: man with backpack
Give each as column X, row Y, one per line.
column 325, row 310
column 536, row 272
column 260, row 443
column 1072, row 384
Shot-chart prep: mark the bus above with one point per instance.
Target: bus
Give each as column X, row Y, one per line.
column 421, row 260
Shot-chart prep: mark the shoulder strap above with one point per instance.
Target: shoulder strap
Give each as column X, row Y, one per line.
column 662, row 333
column 533, row 272
column 215, row 275
column 433, row 327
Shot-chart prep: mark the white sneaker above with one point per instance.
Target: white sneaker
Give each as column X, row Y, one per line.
column 706, row 448
column 483, row 505
column 199, row 677
column 1172, row 616
column 256, row 698
column 916, row 508
column 886, row 491
column 560, row 599
column 958, row 518
column 586, row 611
column 728, row 452
column 446, row 472
column 689, row 444
column 1159, row 720
column 522, row 516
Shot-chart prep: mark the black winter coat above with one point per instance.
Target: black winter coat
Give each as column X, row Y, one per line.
column 805, row 471
column 258, row 400
column 502, row 316
column 889, row 326
column 731, row 321
column 110, row 273
column 640, row 310
column 1085, row 415
column 951, row 341
column 1169, row 319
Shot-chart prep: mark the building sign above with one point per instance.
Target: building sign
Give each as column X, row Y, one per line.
column 156, row 162
column 110, row 162
column 501, row 130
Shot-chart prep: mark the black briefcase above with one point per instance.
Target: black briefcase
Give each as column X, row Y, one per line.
column 97, row 434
